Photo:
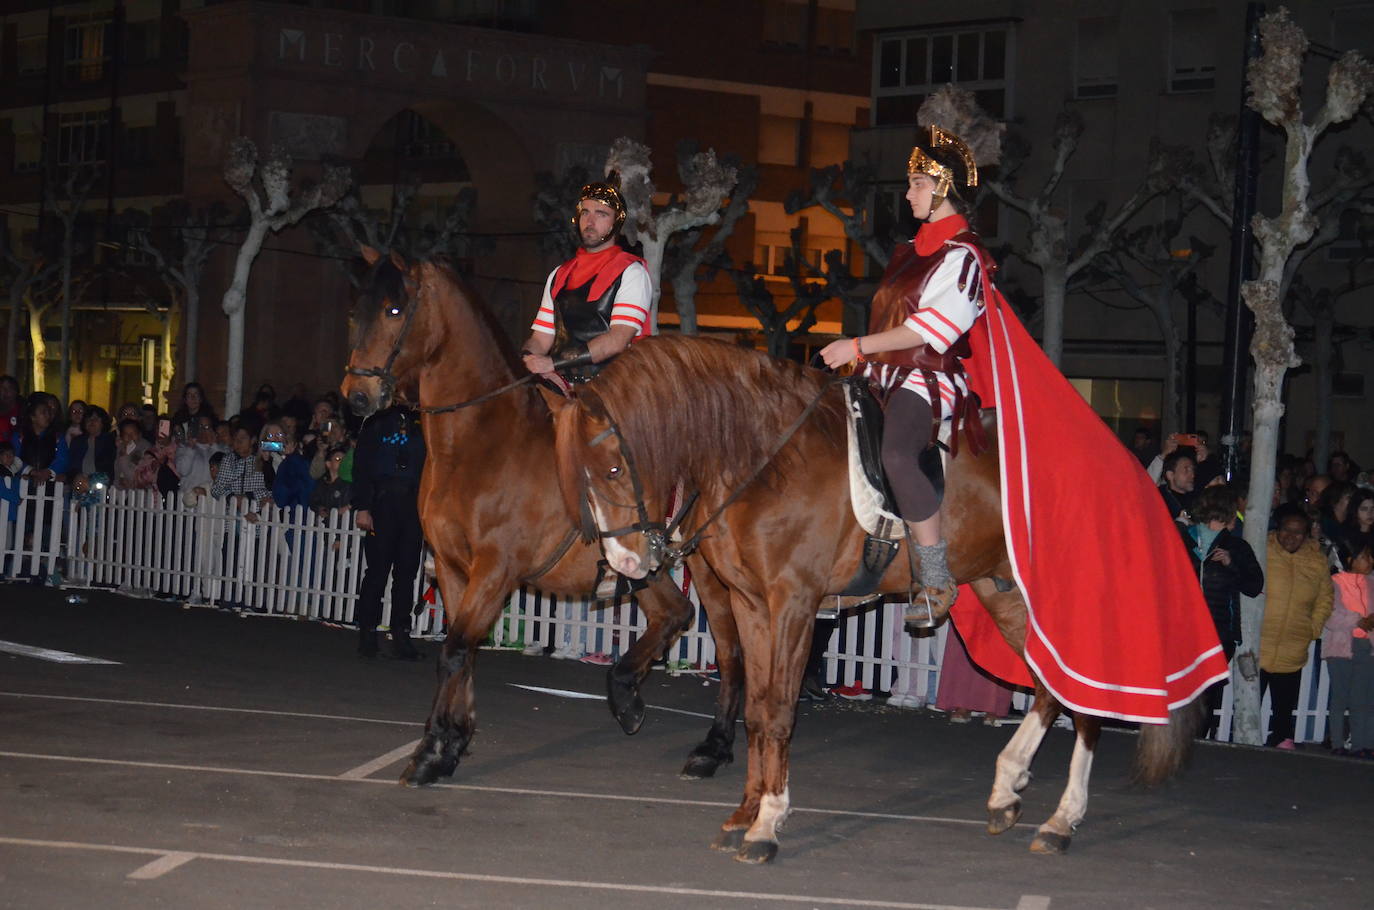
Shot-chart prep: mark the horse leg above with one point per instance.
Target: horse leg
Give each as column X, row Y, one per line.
column 452, row 718
column 1013, row 764
column 791, row 639
column 718, row 746
column 751, row 621
column 1054, row 835
column 668, row 612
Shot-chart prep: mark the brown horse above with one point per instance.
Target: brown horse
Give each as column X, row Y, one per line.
column 490, row 504
column 707, row 414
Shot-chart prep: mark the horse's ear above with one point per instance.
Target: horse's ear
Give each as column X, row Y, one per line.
column 556, row 401
column 370, row 254
column 399, row 261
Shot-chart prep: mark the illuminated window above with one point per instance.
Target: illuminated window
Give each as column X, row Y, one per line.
column 909, row 67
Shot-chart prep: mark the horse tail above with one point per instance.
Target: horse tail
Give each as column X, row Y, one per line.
column 1164, row 749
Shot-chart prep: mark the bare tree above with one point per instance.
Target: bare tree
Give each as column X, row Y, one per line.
column 266, row 188
column 1050, row 250
column 178, row 241
column 706, row 181
column 555, row 200
column 26, row 277
column 75, row 190
column 688, row 254
column 1154, row 267
column 807, row 296
column 846, row 192
column 1275, row 91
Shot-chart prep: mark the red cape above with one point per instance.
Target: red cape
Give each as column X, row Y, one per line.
column 1117, row 624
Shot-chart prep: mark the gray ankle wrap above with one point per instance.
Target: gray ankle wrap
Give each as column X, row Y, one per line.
column 934, row 566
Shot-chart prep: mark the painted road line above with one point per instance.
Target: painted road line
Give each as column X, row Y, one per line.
column 502, row 791
column 380, row 762
column 184, row 707
column 624, row 888
column 51, row 655
column 161, row 866
column 568, row 693
column 1033, row 902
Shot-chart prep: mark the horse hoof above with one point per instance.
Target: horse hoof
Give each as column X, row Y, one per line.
column 625, row 702
column 1001, row 820
column 700, row 767
column 757, row 852
column 631, row 717
column 423, row 772
column 729, row 840
column 1050, row 844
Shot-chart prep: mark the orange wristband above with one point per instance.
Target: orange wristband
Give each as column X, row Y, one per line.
column 859, row 352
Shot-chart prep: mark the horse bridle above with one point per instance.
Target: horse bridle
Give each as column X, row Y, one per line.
column 388, row 380
column 657, row 536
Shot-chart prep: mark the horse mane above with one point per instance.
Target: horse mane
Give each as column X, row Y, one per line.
column 709, row 412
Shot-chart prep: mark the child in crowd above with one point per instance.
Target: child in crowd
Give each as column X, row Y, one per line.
column 332, row 492
column 1347, row 652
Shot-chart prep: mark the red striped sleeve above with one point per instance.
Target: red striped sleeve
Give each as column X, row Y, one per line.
column 934, row 334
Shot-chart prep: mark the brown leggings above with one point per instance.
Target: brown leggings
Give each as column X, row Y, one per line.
column 906, row 433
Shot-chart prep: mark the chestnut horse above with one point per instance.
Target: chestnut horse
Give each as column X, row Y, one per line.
column 490, row 504
column 708, row 414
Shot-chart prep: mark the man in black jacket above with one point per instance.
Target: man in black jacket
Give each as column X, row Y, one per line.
column 1226, row 568
column 386, row 481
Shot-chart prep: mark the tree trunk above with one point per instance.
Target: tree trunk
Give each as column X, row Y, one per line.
column 779, row 340
column 235, row 299
column 40, row 348
column 167, row 368
column 653, row 261
column 1271, row 347
column 1324, row 326
column 191, row 322
column 685, row 296
column 67, row 315
column 1172, row 418
column 1055, row 281
column 12, row 330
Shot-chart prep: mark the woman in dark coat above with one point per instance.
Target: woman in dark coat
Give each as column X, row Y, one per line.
column 93, row 451
column 1226, row 568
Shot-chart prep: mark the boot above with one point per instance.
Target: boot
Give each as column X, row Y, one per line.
column 367, row 643
column 399, row 647
column 938, row 589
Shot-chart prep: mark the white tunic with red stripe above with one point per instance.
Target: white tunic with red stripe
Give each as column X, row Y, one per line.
column 946, row 312
column 631, row 307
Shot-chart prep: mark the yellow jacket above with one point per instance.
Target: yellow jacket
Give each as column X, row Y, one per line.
column 1297, row 603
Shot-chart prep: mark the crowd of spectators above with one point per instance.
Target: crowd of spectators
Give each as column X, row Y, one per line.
column 1315, row 575
column 297, row 452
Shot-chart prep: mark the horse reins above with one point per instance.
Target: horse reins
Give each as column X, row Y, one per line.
column 388, row 380
column 656, row 535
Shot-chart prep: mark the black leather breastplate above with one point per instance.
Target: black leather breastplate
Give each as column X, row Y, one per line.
column 577, row 320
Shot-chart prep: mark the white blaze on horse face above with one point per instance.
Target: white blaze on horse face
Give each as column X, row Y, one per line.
column 618, row 556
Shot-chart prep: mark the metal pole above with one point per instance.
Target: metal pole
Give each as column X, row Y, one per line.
column 1236, row 359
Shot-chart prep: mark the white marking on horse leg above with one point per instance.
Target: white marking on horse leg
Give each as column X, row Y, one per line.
column 620, row 558
column 1073, row 805
column 773, row 811
column 1013, row 764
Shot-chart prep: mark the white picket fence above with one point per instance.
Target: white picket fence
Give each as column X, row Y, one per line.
column 292, row 562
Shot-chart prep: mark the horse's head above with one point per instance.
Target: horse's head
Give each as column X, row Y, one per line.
column 387, row 342
column 604, row 485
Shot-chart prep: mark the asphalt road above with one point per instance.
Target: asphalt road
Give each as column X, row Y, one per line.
column 227, row 762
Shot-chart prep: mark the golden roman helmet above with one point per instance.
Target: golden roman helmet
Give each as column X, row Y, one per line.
column 606, row 192
column 921, row 162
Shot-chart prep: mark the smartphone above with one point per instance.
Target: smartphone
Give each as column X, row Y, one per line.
column 269, row 445
column 1187, row 439
column 164, row 428
column 327, row 427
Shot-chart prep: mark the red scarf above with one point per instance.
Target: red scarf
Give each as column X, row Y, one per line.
column 933, row 234
column 601, row 268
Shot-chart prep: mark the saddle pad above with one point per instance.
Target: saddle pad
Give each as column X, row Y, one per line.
column 867, row 501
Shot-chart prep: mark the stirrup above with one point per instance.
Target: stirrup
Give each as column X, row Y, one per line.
column 920, row 614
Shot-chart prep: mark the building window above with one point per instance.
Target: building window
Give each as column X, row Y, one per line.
column 85, row 52
column 419, row 138
column 909, row 67
column 82, row 138
column 1095, row 58
column 1352, row 27
column 1192, row 52
column 139, row 142
column 1355, row 243
column 143, row 42
column 31, row 53
column 784, row 23
column 834, row 30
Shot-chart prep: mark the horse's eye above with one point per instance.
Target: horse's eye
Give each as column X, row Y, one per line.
column 613, row 473
column 393, row 310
